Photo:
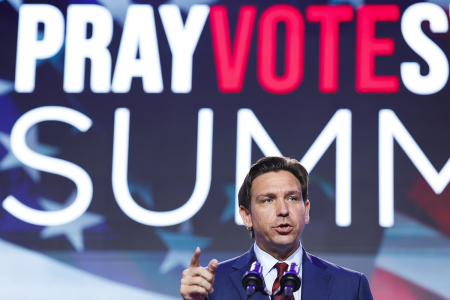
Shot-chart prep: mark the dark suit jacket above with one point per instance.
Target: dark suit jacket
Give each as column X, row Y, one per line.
column 320, row 280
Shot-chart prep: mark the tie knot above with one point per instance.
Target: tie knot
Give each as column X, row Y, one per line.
column 281, row 268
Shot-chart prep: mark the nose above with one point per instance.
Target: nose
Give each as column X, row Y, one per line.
column 282, row 208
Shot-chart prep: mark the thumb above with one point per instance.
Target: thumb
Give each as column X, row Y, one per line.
column 195, row 260
column 212, row 266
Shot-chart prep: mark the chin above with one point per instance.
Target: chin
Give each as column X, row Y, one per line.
column 286, row 241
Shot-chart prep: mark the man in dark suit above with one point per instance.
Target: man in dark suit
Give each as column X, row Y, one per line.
column 274, row 206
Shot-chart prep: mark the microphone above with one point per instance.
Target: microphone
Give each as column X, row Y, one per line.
column 290, row 281
column 253, row 279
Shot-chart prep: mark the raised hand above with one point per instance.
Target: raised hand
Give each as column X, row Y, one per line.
column 197, row 282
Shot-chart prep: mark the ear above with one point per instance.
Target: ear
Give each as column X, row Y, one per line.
column 246, row 216
column 307, row 207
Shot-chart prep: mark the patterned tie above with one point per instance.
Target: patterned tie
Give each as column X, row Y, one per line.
column 281, row 268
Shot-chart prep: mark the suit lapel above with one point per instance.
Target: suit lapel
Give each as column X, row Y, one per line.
column 241, row 266
column 316, row 283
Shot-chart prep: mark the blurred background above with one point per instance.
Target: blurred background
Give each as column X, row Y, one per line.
column 125, row 126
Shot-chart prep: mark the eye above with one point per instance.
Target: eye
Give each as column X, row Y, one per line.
column 267, row 200
column 292, row 198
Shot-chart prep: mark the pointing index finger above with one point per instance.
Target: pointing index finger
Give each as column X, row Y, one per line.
column 195, row 260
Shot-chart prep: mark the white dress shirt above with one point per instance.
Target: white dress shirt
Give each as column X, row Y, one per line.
column 270, row 273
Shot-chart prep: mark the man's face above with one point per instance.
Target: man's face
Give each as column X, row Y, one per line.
column 278, row 213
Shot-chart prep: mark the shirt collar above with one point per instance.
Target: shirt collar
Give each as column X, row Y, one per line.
column 268, row 261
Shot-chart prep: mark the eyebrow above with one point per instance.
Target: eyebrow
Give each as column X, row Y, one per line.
column 293, row 192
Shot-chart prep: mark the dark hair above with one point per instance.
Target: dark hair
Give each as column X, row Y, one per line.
column 271, row 164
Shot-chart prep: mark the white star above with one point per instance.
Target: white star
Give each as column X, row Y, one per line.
column 73, row 230
column 6, row 87
column 15, row 3
column 181, row 246
column 117, row 8
column 185, row 5
column 9, row 161
column 175, row 258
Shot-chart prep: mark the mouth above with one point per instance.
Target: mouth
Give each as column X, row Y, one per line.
column 283, row 228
